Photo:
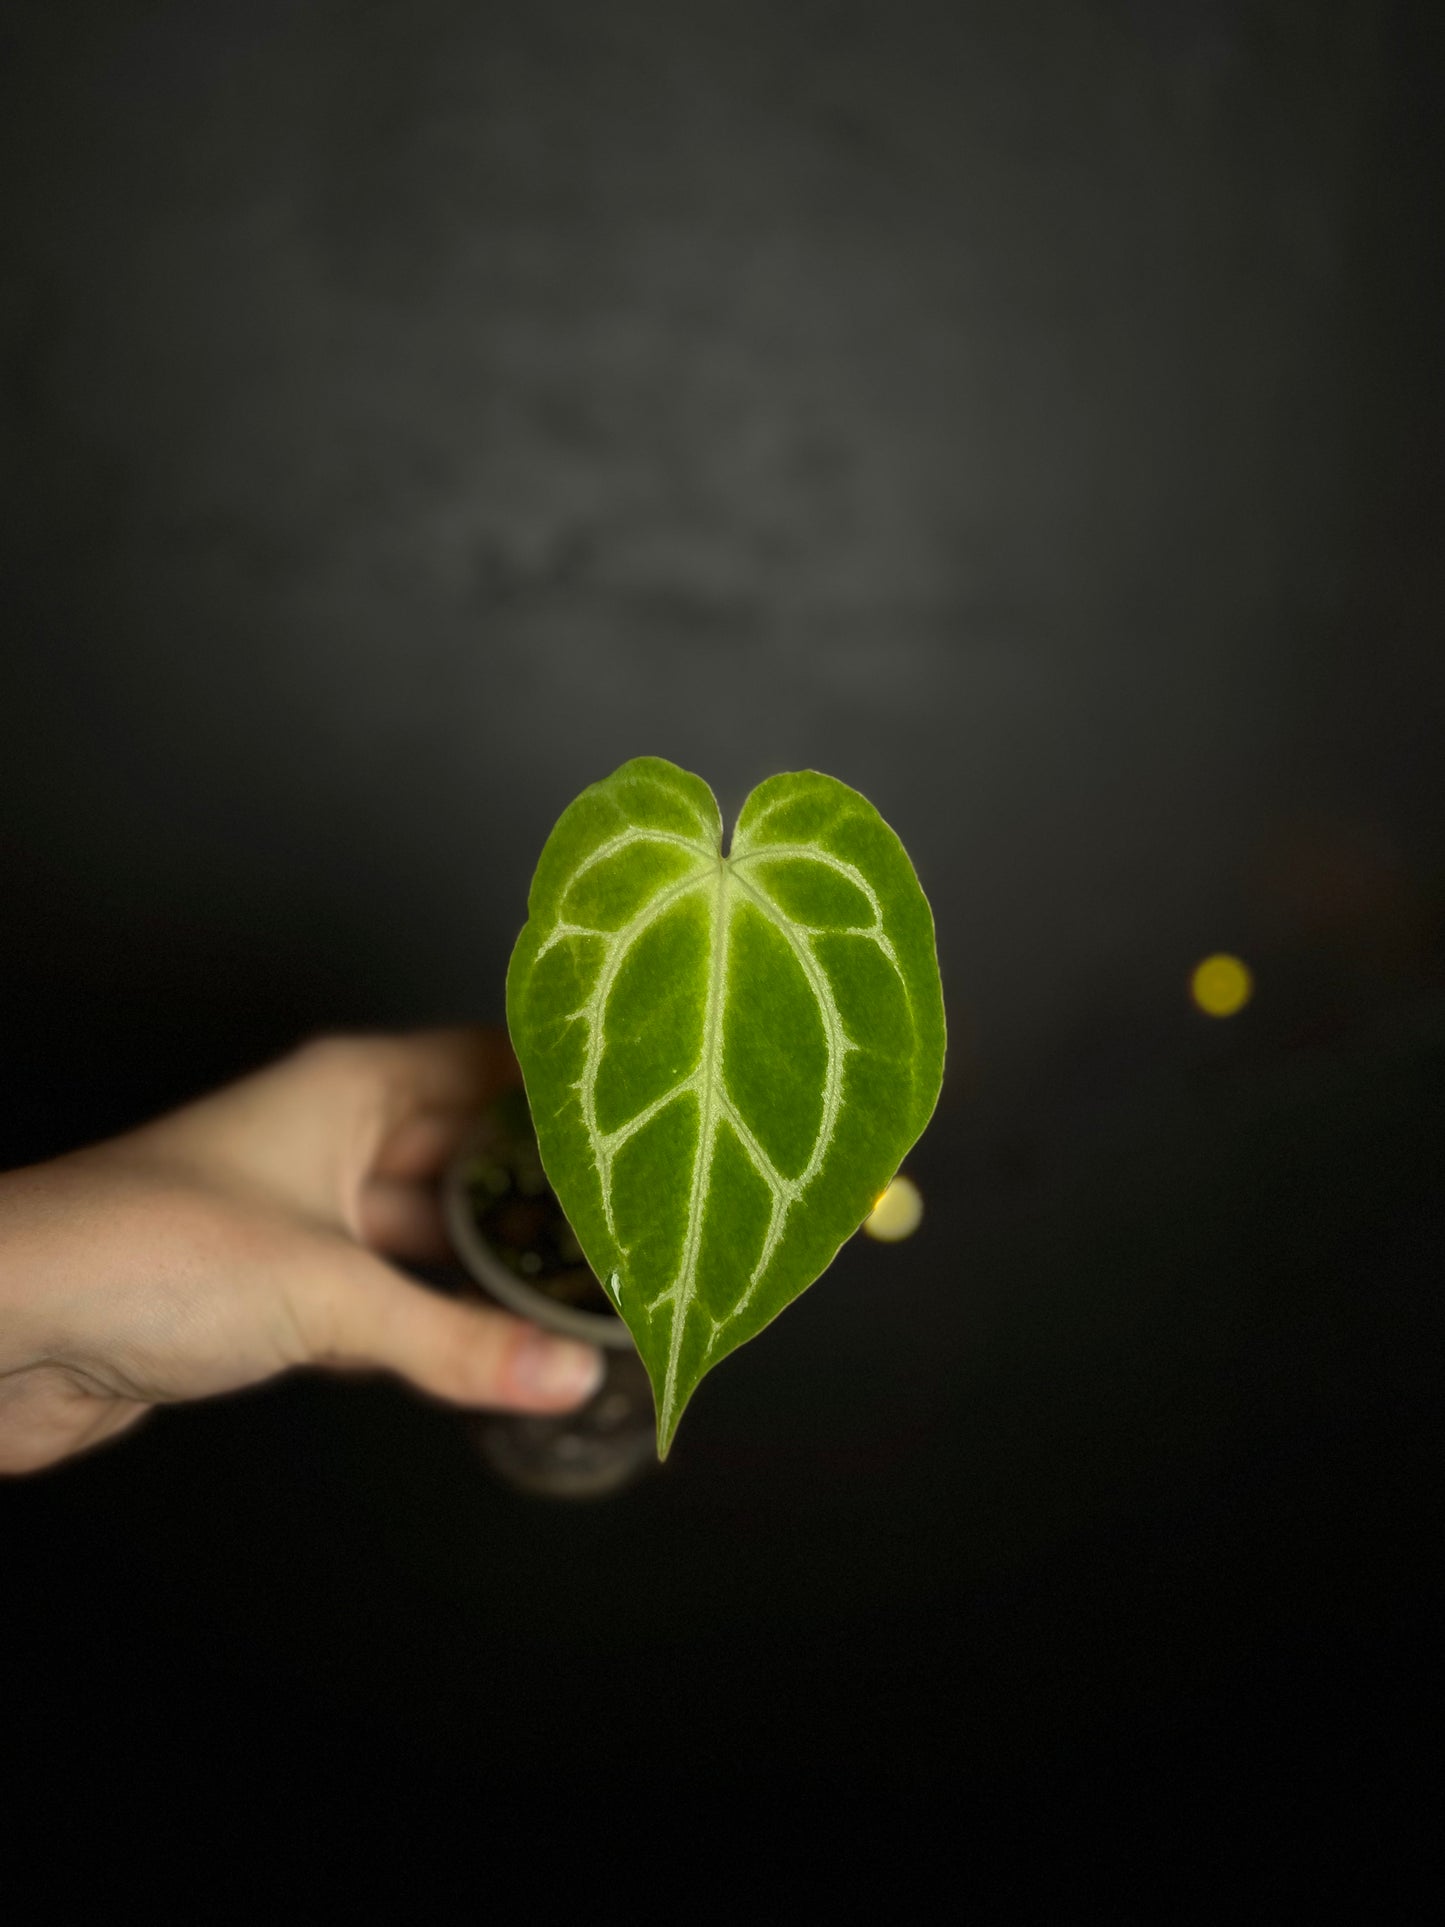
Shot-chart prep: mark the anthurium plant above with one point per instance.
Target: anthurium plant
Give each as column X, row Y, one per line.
column 727, row 1050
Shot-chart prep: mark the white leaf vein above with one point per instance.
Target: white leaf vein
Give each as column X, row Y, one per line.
column 707, row 1079
column 850, row 871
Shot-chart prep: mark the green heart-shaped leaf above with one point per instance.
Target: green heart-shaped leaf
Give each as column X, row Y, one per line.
column 726, row 1056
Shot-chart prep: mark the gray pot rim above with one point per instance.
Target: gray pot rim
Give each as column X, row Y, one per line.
column 486, row 1268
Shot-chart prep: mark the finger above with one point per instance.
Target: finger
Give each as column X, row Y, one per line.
column 422, row 1144
column 348, row 1097
column 403, row 1220
column 448, row 1070
column 367, row 1314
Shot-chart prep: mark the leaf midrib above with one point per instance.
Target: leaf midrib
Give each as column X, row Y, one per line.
column 709, row 1082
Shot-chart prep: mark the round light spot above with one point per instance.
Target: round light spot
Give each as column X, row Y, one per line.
column 897, row 1214
column 1221, row 985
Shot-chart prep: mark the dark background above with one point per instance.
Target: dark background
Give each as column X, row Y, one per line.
column 1028, row 412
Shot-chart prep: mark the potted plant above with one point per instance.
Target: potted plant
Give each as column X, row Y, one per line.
column 727, row 1052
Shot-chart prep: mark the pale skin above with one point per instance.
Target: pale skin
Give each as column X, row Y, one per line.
column 250, row 1232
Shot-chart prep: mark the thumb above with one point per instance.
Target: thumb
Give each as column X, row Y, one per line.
column 365, row 1313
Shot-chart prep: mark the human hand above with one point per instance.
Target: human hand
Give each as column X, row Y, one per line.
column 242, row 1235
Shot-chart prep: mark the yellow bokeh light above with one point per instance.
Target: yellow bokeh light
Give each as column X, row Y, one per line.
column 1221, row 985
column 897, row 1214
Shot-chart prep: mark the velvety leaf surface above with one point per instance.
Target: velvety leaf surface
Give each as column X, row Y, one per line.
column 726, row 1056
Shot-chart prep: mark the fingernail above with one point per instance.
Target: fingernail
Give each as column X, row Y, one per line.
column 556, row 1368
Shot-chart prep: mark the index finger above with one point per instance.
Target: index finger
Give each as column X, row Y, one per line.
column 458, row 1069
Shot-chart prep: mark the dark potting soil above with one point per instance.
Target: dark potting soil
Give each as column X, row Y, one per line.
column 517, row 1213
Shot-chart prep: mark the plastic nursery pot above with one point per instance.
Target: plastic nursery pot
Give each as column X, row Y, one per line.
column 513, row 1239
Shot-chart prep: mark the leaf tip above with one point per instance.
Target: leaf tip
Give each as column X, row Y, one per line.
column 666, row 1433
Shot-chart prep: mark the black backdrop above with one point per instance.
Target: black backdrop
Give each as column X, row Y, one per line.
column 1029, row 413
